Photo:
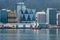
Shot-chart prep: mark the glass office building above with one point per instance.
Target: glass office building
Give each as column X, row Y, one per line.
column 51, row 16
column 4, row 16
column 28, row 17
column 25, row 15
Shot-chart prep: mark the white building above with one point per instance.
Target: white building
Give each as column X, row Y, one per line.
column 41, row 18
column 47, row 14
column 58, row 18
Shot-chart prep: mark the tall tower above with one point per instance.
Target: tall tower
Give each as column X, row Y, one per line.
column 20, row 6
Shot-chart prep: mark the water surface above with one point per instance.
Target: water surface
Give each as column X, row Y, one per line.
column 29, row 34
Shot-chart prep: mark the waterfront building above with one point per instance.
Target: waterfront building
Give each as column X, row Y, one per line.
column 20, row 8
column 28, row 17
column 4, row 16
column 12, row 17
column 41, row 19
column 58, row 18
column 51, row 16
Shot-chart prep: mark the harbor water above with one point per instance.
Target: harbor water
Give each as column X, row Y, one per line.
column 29, row 34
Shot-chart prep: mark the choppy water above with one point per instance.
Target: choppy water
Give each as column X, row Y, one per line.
column 29, row 34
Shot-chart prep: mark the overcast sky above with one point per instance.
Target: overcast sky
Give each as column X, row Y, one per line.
column 35, row 4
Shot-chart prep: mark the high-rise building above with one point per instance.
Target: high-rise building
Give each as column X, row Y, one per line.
column 20, row 8
column 4, row 15
column 51, row 16
column 24, row 14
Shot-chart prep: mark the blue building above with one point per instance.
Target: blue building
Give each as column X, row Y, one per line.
column 25, row 15
column 28, row 17
column 51, row 16
column 4, row 16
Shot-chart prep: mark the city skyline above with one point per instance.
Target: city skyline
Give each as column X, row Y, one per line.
column 29, row 19
column 25, row 15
